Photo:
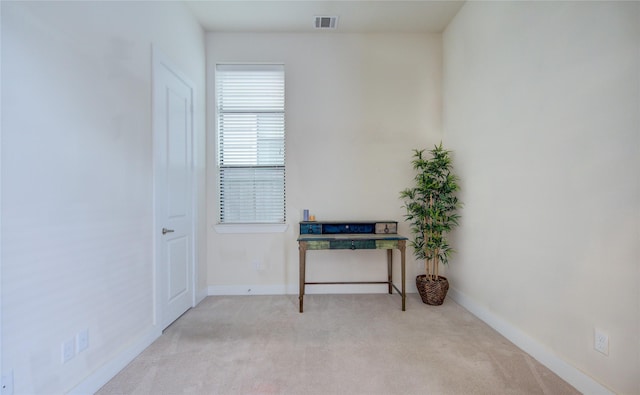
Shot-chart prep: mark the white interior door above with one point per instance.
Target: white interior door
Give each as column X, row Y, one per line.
column 173, row 120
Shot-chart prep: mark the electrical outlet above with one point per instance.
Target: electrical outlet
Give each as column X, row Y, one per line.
column 601, row 342
column 82, row 340
column 260, row 266
column 68, row 350
column 7, row 383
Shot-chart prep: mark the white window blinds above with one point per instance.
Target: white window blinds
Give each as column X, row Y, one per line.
column 251, row 143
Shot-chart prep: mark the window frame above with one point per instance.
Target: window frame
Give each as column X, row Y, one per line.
column 246, row 227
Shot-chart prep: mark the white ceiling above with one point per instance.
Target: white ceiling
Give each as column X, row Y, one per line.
column 355, row 16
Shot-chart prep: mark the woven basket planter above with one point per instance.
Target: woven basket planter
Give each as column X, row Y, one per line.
column 432, row 292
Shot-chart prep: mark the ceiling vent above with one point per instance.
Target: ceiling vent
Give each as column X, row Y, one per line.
column 326, row 22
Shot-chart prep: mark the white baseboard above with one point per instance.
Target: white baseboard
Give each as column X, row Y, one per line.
column 567, row 372
column 246, row 290
column 100, row 377
column 293, row 289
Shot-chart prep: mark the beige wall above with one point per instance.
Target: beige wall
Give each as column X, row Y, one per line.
column 357, row 105
column 77, row 196
column 541, row 106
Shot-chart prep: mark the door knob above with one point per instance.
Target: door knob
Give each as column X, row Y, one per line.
column 165, row 231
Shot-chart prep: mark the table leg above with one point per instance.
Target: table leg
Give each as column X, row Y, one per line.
column 302, row 246
column 402, row 246
column 390, row 269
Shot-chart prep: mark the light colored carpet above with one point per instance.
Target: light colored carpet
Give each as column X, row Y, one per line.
column 341, row 344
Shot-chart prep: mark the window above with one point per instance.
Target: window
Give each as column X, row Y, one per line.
column 251, row 143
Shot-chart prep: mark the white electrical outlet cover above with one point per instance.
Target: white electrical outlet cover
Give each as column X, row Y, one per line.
column 601, row 342
column 68, row 350
column 83, row 340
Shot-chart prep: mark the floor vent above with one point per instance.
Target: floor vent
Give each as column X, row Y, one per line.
column 326, row 22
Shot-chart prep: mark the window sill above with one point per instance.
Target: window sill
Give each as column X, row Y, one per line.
column 251, row 228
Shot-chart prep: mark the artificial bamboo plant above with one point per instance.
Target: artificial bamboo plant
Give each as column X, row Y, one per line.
column 431, row 206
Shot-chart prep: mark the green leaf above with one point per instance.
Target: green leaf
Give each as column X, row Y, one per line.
column 431, row 203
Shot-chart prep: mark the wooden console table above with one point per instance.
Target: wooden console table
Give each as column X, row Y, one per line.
column 335, row 236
